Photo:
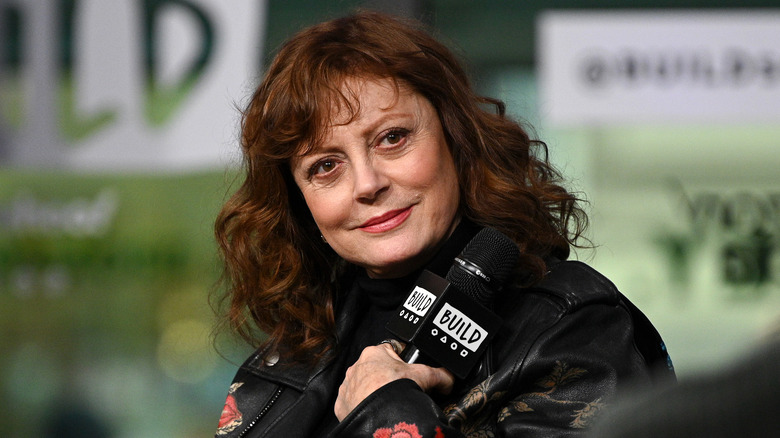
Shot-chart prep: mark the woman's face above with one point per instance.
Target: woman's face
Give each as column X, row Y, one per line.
column 382, row 188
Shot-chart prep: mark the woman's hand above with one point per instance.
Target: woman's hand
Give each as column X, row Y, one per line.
column 379, row 365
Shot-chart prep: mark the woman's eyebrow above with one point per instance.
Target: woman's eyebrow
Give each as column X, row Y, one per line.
column 384, row 118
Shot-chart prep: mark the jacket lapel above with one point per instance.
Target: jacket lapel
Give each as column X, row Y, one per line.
column 270, row 397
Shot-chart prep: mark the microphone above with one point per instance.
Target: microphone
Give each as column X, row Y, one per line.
column 447, row 322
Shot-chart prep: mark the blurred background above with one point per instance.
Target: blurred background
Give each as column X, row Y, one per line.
column 118, row 127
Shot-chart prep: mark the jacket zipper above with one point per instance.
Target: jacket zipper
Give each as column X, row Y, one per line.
column 262, row 412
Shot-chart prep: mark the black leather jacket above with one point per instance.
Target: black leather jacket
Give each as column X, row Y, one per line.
column 567, row 345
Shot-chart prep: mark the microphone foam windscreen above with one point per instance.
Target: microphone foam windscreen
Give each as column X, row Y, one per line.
column 493, row 255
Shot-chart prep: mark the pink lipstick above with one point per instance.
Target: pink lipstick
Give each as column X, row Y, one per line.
column 387, row 221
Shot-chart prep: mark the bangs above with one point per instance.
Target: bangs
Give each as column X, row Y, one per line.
column 337, row 105
column 309, row 86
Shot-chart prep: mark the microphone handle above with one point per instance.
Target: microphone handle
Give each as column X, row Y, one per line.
column 411, row 354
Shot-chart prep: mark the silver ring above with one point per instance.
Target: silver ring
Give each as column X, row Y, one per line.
column 397, row 347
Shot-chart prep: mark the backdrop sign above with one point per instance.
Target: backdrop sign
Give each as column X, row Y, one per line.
column 650, row 67
column 126, row 84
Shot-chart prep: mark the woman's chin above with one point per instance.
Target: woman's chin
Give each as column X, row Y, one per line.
column 395, row 267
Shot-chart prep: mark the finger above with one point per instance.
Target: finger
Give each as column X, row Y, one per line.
column 445, row 381
column 432, row 379
column 373, row 353
column 396, row 345
column 340, row 408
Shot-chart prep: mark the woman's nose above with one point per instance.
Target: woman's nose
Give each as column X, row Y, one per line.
column 370, row 181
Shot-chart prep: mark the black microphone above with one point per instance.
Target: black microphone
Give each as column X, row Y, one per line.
column 447, row 322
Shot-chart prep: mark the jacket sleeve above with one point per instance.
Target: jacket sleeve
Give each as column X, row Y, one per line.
column 571, row 372
column 399, row 408
column 553, row 385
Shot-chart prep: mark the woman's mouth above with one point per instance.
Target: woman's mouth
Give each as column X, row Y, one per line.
column 387, row 221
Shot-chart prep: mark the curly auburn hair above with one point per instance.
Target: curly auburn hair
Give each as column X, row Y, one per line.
column 281, row 278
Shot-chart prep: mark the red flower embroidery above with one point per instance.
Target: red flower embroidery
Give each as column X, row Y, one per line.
column 439, row 433
column 400, row 430
column 231, row 417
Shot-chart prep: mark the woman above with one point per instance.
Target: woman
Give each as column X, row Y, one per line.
column 369, row 158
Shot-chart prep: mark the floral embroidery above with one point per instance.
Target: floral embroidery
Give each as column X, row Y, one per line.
column 582, row 416
column 472, row 415
column 400, row 430
column 514, row 406
column 231, row 417
column 561, row 375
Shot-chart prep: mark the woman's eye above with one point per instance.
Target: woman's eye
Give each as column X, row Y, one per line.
column 394, row 137
column 323, row 167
